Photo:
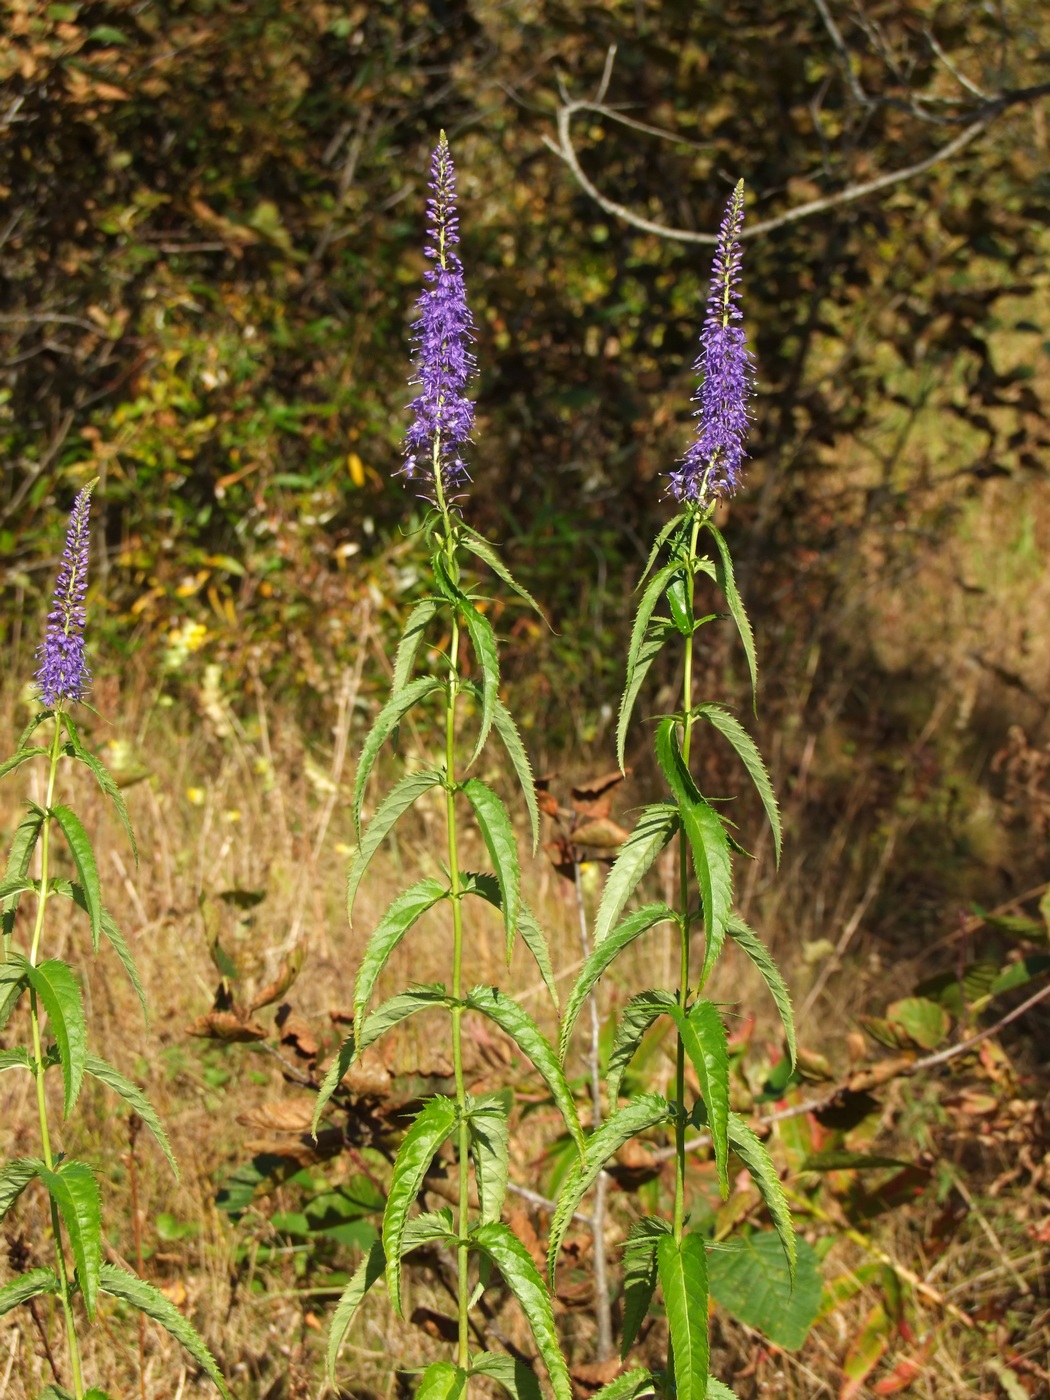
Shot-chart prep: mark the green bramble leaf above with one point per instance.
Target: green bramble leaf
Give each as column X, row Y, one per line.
column 386, row 722
column 650, row 647
column 367, row 1273
column 644, row 1111
column 519, row 759
column 649, row 916
column 477, row 544
column 432, row 1126
column 498, row 835
column 73, row 1188
column 25, row 1286
column 657, row 824
column 727, row 583
column 704, row 1038
column 515, row 1376
column 136, row 1100
column 637, row 1016
column 441, row 1381
column 754, row 1156
column 489, row 1152
column 682, row 1268
column 15, row 1176
column 639, row 1275
column 747, row 751
column 751, row 1279
column 419, row 619
column 747, row 939
column 405, row 911
column 487, row 886
column 18, row 758
column 59, row 993
column 522, row 1029
column 394, row 805
column 84, row 860
column 109, row 786
column 523, row 1279
column 118, row 1283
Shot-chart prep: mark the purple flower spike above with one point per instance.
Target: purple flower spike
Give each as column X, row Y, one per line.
column 63, row 673
column 443, row 417
column 713, row 465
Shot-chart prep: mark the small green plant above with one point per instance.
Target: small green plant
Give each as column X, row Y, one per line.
column 36, row 876
column 674, row 1252
column 477, row 1126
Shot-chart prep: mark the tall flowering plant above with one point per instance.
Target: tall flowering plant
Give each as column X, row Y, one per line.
column 658, row 1250
column 476, row 1124
column 51, row 858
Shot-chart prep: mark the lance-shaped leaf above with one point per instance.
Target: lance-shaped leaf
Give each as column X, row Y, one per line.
column 635, row 1019
column 419, row 619
column 708, row 843
column 41, row 717
column 431, row 1227
column 754, row 1156
column 483, row 640
column 683, row 1278
column 119, row 945
column 656, row 826
column 648, row 651
column 19, row 857
column 441, row 1381
column 527, row 1036
column 519, row 759
column 432, row 1126
column 15, row 1176
column 639, row 1275
column 646, row 607
column 388, row 719
column 367, row 1273
column 704, row 1038
column 25, row 1286
column 727, row 583
column 603, row 954
column 406, row 909
column 477, row 544
column 523, row 1279
column 632, row 1385
column 395, row 804
column 398, row 1008
column 16, row 1059
column 677, row 523
column 489, row 1152
column 18, row 758
column 718, row 1390
column 487, row 886
column 747, row 751
column 73, row 1188
column 13, row 982
column 644, row 1111
column 84, row 860
column 515, row 1376
column 498, row 835
column 59, row 993
column 135, row 1099
column 109, row 786
column 746, row 938
column 118, row 1283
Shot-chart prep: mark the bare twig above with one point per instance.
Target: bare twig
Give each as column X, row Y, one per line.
column 835, row 34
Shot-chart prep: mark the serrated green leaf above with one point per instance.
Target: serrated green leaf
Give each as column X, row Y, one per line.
column 727, row 583
column 519, row 760
column 632, row 1385
column 498, row 835
column 514, row 1375
column 683, row 1278
column 925, row 1022
column 20, row 855
column 25, row 1286
column 651, row 595
column 704, row 1037
column 397, row 1009
column 522, row 1029
column 16, row 1059
column 430, row 1227
column 59, row 993
column 718, row 1390
column 135, row 1099
column 489, row 1152
column 477, row 544
column 433, row 1125
column 18, row 758
column 395, row 804
column 754, row 1156
column 109, row 786
column 73, row 1188
column 367, row 1273
column 747, row 751
column 117, row 942
column 15, row 1176
column 406, row 909
column 661, row 539
column 483, row 640
column 644, row 1111
column 344, row 1058
column 636, row 1018
column 487, row 886
column 84, row 860
column 648, row 650
column 118, row 1283
column 649, row 916
column 522, row 1278
column 750, row 1279
column 388, row 719
column 657, row 824
column 13, row 983
column 441, row 1381
column 639, row 1275
column 41, row 717
column 419, row 619
column 747, row 939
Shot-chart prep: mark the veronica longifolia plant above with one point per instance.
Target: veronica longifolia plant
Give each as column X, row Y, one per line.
column 51, row 858
column 659, row 1250
column 477, row 1125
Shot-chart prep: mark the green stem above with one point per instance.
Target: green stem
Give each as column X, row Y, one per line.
column 683, row 883
column 39, row 1065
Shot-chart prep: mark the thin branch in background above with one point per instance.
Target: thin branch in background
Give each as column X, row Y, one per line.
column 845, row 58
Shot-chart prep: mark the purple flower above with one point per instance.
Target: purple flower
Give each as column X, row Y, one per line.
column 63, row 673
column 713, row 464
column 443, row 417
